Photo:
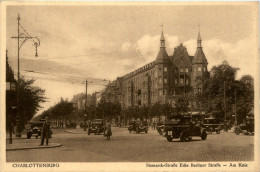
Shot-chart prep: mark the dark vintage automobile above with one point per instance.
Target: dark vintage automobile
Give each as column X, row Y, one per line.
column 97, row 126
column 132, row 126
column 247, row 127
column 138, row 126
column 212, row 125
column 35, row 129
column 182, row 127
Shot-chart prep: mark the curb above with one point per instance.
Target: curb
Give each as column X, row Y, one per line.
column 36, row 147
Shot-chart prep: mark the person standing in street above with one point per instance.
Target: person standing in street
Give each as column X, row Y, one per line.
column 45, row 133
column 108, row 129
column 153, row 125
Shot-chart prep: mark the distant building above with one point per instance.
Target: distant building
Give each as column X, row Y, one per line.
column 113, row 92
column 162, row 80
column 79, row 101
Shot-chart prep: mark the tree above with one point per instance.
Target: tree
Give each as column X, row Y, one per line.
column 30, row 98
column 181, row 106
column 10, row 96
column 223, row 82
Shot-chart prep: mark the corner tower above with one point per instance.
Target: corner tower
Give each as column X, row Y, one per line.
column 162, row 70
column 199, row 68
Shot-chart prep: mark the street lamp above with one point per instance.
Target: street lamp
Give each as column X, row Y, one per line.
column 22, row 36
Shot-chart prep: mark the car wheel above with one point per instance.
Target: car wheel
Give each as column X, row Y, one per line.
column 137, row 130
column 98, row 132
column 169, row 138
column 204, row 135
column 146, row 131
column 218, row 131
column 189, row 138
column 36, row 137
column 88, row 132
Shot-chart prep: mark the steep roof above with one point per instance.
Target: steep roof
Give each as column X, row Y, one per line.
column 181, row 57
column 162, row 56
column 199, row 56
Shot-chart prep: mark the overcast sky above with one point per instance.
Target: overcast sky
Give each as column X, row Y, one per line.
column 104, row 42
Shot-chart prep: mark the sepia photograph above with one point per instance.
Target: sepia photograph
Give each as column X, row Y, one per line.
column 130, row 86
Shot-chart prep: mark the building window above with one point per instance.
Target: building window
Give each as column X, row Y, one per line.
column 164, row 92
column 205, row 69
column 160, row 80
column 160, row 92
column 165, row 80
column 186, row 69
column 165, row 69
column 176, row 69
column 174, row 93
column 181, row 69
column 181, row 80
column 199, row 69
column 187, row 81
column 199, row 90
column 176, row 81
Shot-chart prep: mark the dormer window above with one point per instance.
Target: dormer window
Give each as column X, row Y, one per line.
column 199, row 68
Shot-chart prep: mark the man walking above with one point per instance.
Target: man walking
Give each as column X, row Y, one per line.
column 108, row 129
column 45, row 133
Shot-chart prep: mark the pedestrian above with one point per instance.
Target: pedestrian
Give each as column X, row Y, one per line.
column 28, row 130
column 108, row 129
column 46, row 130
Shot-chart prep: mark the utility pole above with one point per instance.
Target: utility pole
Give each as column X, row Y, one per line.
column 86, row 98
column 22, row 36
column 235, row 107
column 225, row 113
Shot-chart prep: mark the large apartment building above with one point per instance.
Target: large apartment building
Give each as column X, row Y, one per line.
column 166, row 78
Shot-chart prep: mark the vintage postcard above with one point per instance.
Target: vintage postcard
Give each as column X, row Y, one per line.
column 129, row 86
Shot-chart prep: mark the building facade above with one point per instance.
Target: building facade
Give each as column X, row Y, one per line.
column 165, row 79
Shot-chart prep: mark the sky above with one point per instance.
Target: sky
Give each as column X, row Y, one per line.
column 100, row 43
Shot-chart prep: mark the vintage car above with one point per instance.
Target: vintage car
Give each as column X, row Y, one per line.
column 138, row 126
column 182, row 127
column 212, row 125
column 132, row 126
column 35, row 129
column 96, row 126
column 247, row 127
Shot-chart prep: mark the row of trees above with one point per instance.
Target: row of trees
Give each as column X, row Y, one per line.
column 59, row 113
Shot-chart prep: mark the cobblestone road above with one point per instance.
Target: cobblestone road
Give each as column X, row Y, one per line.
column 132, row 147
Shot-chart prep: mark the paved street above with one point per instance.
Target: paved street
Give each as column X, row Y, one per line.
column 132, row 147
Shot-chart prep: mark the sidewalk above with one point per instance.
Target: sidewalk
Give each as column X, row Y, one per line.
column 23, row 144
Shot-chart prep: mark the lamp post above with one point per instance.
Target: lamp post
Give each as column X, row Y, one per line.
column 22, row 36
